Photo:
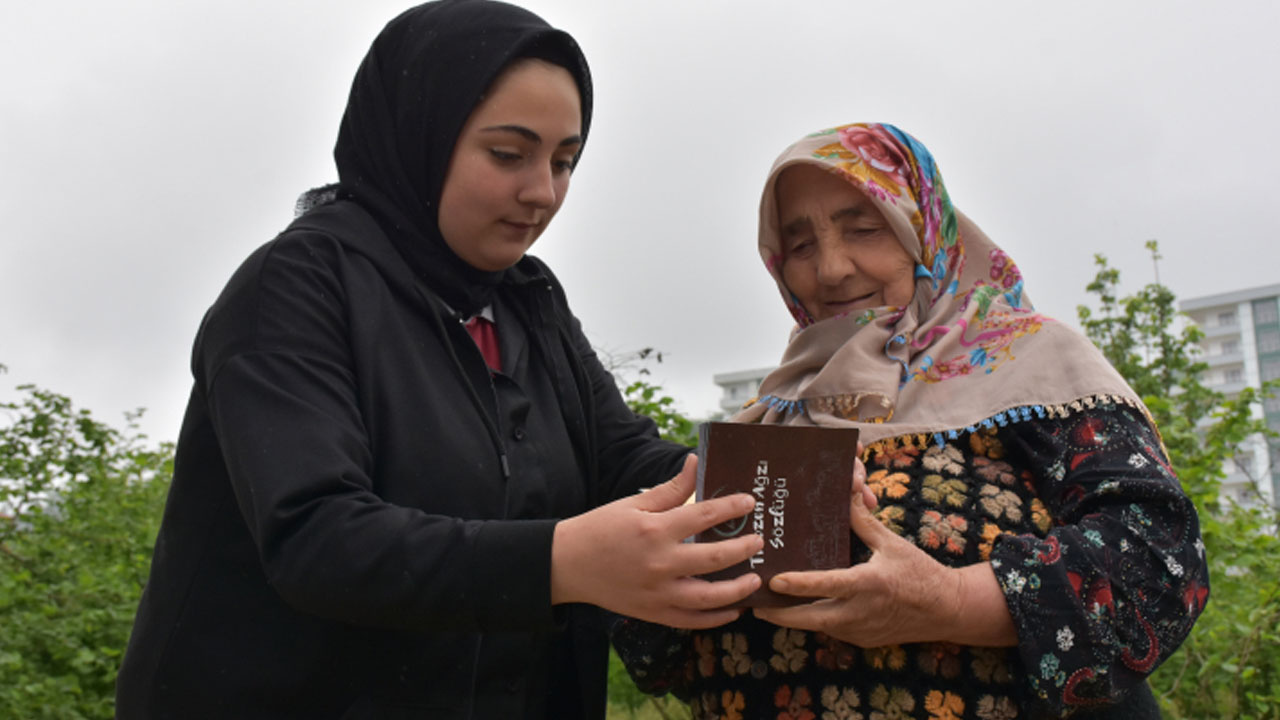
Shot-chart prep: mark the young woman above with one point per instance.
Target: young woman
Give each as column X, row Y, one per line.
column 404, row 479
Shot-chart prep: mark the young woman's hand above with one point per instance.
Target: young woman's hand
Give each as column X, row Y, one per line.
column 900, row 595
column 629, row 556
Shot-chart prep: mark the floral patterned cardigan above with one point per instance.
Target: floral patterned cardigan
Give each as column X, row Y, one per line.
column 1093, row 541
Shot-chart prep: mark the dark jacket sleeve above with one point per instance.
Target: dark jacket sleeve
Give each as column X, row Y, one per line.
column 274, row 362
column 1117, row 583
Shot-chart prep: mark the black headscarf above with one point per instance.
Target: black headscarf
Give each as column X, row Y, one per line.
column 415, row 89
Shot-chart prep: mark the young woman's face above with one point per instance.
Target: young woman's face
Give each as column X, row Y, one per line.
column 839, row 253
column 510, row 167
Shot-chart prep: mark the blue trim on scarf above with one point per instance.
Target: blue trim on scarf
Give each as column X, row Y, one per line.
column 1020, row 413
column 780, row 405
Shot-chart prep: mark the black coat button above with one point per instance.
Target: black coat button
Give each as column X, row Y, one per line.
column 518, row 434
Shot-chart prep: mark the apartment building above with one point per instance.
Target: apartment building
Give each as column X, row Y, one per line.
column 1241, row 345
column 737, row 387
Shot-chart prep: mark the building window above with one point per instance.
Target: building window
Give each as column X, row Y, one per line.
column 1270, row 370
column 1227, row 318
column 1269, row 341
column 1271, row 405
column 1265, row 312
column 1230, row 347
column 1235, row 375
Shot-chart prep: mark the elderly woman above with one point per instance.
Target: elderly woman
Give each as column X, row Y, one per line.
column 1022, row 548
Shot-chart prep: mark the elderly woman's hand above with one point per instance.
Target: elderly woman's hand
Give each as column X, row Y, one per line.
column 900, row 595
column 860, row 485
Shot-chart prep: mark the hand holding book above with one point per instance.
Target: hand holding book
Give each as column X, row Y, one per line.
column 900, row 595
column 630, row 556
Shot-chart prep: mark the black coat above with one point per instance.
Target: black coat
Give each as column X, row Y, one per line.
column 361, row 517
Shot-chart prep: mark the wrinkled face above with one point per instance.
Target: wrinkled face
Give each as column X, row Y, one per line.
column 510, row 166
column 839, row 253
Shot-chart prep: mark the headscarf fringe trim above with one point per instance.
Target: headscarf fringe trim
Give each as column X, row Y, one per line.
column 1023, row 413
column 842, row 405
column 923, row 441
column 776, row 403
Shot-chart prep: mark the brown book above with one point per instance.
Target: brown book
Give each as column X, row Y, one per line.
column 801, row 478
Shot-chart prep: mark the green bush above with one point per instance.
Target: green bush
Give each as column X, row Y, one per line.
column 646, row 398
column 81, row 505
column 1229, row 667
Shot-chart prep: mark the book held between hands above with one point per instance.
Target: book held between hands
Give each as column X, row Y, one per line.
column 800, row 477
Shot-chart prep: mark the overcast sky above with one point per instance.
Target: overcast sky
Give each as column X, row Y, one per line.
column 146, row 147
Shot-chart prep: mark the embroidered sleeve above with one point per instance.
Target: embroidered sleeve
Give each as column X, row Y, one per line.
column 656, row 656
column 1116, row 584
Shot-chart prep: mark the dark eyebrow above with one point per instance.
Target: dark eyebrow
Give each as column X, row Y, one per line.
column 530, row 135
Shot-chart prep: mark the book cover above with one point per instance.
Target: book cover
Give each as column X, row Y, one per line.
column 801, row 478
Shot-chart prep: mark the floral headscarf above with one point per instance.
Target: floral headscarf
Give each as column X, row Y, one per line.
column 967, row 351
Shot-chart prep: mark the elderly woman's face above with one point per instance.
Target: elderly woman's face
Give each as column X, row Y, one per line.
column 839, row 253
column 510, row 166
